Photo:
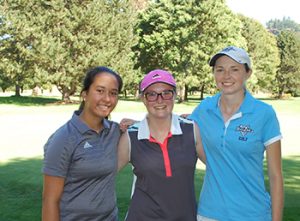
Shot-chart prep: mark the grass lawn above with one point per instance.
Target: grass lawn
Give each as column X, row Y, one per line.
column 21, row 188
column 20, row 174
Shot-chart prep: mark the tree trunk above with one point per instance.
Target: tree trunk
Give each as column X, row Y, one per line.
column 18, row 89
column 202, row 92
column 66, row 97
column 280, row 93
column 185, row 98
column 181, row 94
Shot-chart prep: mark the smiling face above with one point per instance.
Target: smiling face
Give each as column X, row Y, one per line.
column 230, row 76
column 102, row 96
column 159, row 108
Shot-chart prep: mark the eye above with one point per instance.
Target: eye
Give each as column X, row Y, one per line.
column 100, row 91
column 114, row 93
column 167, row 92
column 151, row 94
column 218, row 70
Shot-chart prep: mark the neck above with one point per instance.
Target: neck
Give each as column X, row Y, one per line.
column 159, row 128
column 229, row 105
column 92, row 122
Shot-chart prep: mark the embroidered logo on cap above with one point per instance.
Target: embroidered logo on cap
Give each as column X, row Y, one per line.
column 229, row 49
column 156, row 76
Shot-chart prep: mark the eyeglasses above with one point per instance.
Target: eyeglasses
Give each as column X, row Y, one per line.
column 165, row 95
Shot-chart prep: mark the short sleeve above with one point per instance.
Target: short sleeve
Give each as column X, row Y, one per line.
column 57, row 154
column 194, row 114
column 271, row 131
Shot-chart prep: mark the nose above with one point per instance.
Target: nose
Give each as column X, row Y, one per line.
column 106, row 97
column 159, row 98
column 227, row 73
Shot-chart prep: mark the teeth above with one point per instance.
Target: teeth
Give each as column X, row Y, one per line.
column 103, row 107
column 227, row 84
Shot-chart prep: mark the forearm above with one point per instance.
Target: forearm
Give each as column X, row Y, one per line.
column 50, row 211
column 277, row 197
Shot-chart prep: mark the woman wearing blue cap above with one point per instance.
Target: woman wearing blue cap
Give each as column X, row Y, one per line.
column 163, row 151
column 236, row 130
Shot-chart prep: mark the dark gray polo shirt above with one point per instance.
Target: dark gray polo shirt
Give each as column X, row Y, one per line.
column 88, row 162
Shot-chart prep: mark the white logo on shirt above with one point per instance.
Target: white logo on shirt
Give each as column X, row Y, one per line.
column 87, row 145
column 244, row 129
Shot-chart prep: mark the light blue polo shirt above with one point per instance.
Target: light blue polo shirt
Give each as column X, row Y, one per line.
column 234, row 187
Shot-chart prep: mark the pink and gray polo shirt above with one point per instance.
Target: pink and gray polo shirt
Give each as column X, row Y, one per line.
column 163, row 187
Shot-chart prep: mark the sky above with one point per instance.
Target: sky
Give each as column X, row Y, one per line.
column 265, row 10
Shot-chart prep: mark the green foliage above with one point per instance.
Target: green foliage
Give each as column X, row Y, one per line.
column 277, row 25
column 5, row 81
column 264, row 54
column 59, row 40
column 288, row 75
column 180, row 36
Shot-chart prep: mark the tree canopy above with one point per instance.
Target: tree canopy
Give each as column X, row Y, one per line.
column 59, row 40
column 45, row 43
column 262, row 48
column 182, row 35
column 288, row 75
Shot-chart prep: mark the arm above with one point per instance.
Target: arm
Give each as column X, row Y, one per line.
column 276, row 179
column 125, row 123
column 123, row 151
column 199, row 146
column 53, row 188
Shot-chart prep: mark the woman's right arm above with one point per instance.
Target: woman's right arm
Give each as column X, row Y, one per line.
column 123, row 151
column 53, row 188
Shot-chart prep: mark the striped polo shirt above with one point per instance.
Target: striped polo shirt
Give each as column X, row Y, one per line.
column 163, row 188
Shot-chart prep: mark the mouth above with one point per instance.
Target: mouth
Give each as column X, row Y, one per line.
column 160, row 107
column 103, row 107
column 227, row 84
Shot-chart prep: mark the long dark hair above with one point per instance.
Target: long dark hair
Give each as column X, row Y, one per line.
column 90, row 77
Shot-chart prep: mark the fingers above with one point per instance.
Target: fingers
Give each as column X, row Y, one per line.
column 184, row 115
column 125, row 123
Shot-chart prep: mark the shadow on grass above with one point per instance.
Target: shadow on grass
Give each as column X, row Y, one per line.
column 29, row 100
column 21, row 189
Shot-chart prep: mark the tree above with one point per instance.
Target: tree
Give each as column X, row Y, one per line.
column 277, row 25
column 262, row 48
column 5, row 81
column 180, row 36
column 288, row 75
column 68, row 37
column 15, row 50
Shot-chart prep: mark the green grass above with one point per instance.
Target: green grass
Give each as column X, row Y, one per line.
column 21, row 179
column 291, row 105
column 21, row 189
column 29, row 100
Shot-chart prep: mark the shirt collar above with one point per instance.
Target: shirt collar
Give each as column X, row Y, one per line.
column 82, row 127
column 247, row 105
column 144, row 132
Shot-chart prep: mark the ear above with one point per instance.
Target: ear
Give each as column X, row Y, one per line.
column 249, row 74
column 142, row 97
column 83, row 95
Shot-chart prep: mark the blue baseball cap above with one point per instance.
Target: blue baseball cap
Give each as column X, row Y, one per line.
column 237, row 54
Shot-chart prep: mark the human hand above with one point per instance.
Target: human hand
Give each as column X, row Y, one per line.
column 125, row 123
column 184, row 115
